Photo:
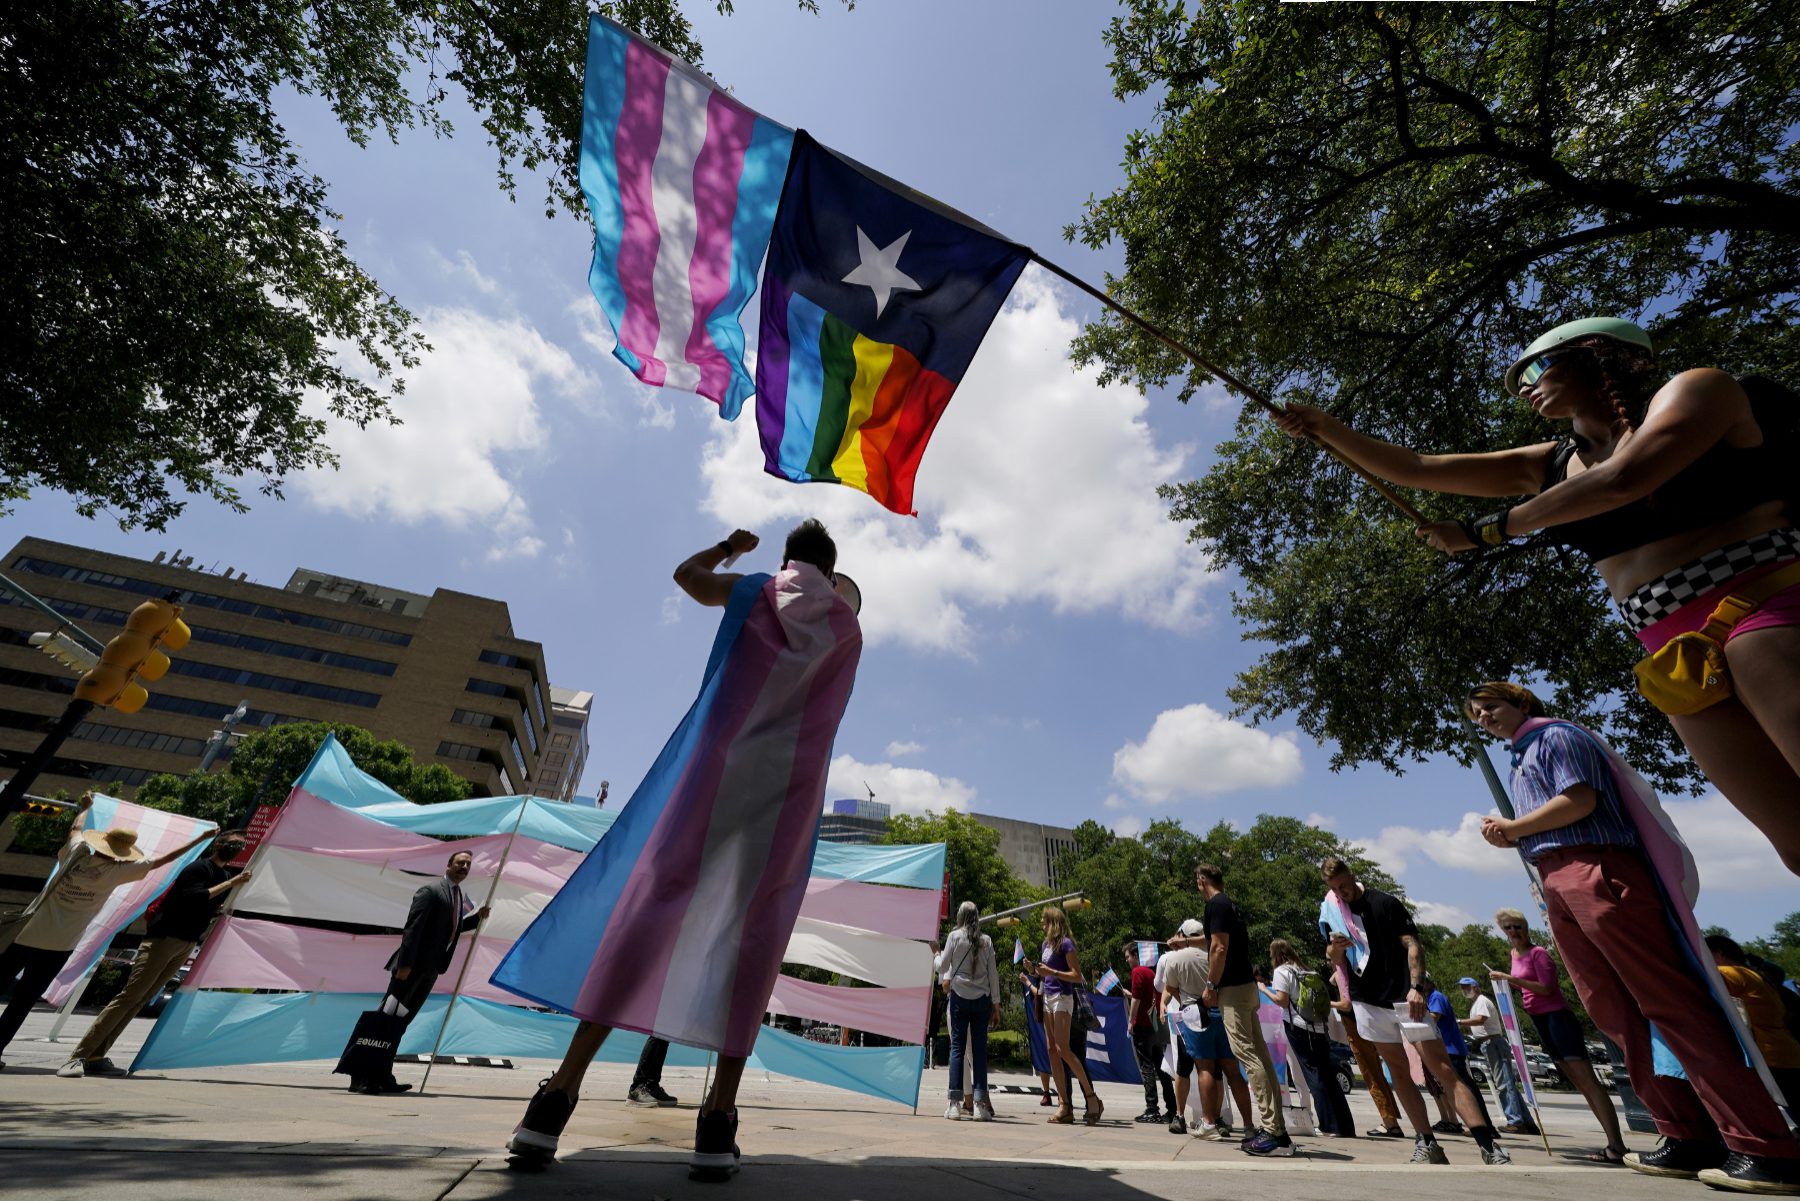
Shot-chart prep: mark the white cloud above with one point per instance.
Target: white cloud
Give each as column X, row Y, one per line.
column 1115, row 801
column 1731, row 854
column 1462, row 849
column 1321, row 821
column 900, row 750
column 1197, row 751
column 1453, row 916
column 672, row 608
column 470, row 406
column 1039, row 486
column 655, row 411
column 1129, row 826
column 903, row 789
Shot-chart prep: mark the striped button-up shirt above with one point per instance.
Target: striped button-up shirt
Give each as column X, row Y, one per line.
column 1550, row 761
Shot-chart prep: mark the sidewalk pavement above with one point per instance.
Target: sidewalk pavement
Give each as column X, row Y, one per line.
column 291, row 1131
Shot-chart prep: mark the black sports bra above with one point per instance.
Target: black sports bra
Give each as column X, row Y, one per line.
column 1723, row 482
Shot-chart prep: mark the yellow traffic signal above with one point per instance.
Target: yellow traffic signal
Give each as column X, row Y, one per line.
column 1074, row 904
column 112, row 681
column 45, row 808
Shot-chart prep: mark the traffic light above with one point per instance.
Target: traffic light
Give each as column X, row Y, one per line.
column 133, row 655
column 46, row 808
column 1075, row 904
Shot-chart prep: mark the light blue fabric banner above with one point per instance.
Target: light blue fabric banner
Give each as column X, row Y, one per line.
column 919, row 865
column 203, row 1029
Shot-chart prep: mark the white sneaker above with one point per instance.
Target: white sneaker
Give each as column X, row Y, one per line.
column 984, row 1112
column 1496, row 1155
column 953, row 1111
column 1208, row 1131
column 71, row 1069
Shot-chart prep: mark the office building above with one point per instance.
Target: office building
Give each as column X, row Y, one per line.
column 560, row 772
column 444, row 674
column 1031, row 849
column 851, row 820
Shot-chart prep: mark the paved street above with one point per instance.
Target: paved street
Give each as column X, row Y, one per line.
column 290, row 1131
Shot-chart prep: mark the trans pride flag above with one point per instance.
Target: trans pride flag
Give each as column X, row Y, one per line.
column 677, row 922
column 875, row 299
column 1107, row 983
column 682, row 181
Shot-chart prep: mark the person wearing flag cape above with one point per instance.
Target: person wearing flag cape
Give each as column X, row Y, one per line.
column 676, row 923
column 1618, row 887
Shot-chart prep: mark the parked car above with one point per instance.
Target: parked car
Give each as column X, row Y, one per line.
column 155, row 1005
column 1544, row 1070
column 1343, row 1062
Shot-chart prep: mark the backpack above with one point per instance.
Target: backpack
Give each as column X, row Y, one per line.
column 1312, row 998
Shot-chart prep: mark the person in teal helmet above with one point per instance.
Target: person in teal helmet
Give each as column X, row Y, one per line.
column 1678, row 495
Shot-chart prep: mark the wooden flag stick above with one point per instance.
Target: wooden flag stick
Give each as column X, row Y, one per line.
column 493, row 887
column 1231, row 381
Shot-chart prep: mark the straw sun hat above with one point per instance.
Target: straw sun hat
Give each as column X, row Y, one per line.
column 114, row 844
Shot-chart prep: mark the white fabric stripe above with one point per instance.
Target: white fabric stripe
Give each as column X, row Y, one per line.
column 672, row 198
column 291, row 883
column 877, row 959
column 696, row 997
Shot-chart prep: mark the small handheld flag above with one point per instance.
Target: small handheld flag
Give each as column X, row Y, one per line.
column 1018, row 951
column 1107, row 983
column 875, row 299
column 1149, row 952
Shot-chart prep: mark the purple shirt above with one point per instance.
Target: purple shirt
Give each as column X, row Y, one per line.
column 1058, row 958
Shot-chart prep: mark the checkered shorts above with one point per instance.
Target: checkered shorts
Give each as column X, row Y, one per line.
column 1662, row 597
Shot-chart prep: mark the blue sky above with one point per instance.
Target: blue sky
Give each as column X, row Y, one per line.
column 1043, row 643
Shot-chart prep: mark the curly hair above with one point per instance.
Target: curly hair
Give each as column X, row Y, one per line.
column 1623, row 374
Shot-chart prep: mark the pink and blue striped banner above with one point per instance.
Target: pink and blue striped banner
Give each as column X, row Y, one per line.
column 683, row 183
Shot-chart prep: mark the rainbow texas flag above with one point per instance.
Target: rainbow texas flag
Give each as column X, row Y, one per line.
column 875, row 299
column 682, row 181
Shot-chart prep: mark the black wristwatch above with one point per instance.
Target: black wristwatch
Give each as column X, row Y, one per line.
column 1489, row 530
column 725, row 545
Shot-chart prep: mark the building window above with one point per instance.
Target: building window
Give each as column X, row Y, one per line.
column 257, row 679
column 80, row 769
column 206, row 600
column 486, row 687
column 460, row 750
column 145, row 740
column 559, row 740
column 468, row 717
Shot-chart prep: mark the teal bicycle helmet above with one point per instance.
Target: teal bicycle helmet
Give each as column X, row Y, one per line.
column 1571, row 332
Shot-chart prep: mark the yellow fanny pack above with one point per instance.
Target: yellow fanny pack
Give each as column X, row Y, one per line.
column 1689, row 674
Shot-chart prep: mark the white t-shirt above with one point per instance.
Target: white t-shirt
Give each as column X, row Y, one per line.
column 1490, row 1018
column 83, row 881
column 1287, row 979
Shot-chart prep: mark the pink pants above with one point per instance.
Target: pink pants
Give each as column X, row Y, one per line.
column 1613, row 931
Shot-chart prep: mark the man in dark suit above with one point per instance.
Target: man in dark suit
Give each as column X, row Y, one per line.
column 439, row 914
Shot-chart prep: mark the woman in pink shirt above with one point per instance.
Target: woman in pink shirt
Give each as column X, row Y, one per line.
column 1534, row 972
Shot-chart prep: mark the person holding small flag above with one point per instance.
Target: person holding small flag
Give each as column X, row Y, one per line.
column 1146, row 1037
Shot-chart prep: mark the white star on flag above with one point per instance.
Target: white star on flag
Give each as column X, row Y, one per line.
column 879, row 271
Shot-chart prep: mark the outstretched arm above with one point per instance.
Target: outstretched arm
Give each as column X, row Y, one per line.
column 1516, row 472
column 1689, row 415
column 699, row 575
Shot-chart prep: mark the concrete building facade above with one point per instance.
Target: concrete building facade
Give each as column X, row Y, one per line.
column 1030, row 848
column 444, row 674
column 560, row 772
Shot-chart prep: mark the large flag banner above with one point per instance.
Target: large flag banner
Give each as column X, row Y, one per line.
column 1108, row 1052
column 281, row 979
column 875, row 299
column 1509, row 1022
column 682, row 181
column 158, row 832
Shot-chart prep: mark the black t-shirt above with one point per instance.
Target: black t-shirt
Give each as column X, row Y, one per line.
column 1221, row 916
column 1388, row 975
column 186, row 910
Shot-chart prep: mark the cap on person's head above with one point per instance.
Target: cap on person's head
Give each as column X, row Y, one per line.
column 1190, row 929
column 1468, row 980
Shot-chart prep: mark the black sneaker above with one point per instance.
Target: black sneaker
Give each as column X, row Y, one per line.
column 715, row 1158
column 1755, row 1174
column 1177, row 1124
column 1680, row 1158
column 538, row 1131
column 1150, row 1117
column 651, row 1094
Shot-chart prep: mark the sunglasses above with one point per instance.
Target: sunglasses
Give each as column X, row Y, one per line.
column 1509, row 929
column 1533, row 371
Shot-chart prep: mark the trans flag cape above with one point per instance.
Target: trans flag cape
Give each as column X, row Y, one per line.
column 676, row 922
column 1672, row 865
column 682, row 181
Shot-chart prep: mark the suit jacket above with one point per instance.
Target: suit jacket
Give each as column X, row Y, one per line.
column 427, row 943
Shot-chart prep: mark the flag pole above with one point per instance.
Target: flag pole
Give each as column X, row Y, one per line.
column 456, row 990
column 1229, row 380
